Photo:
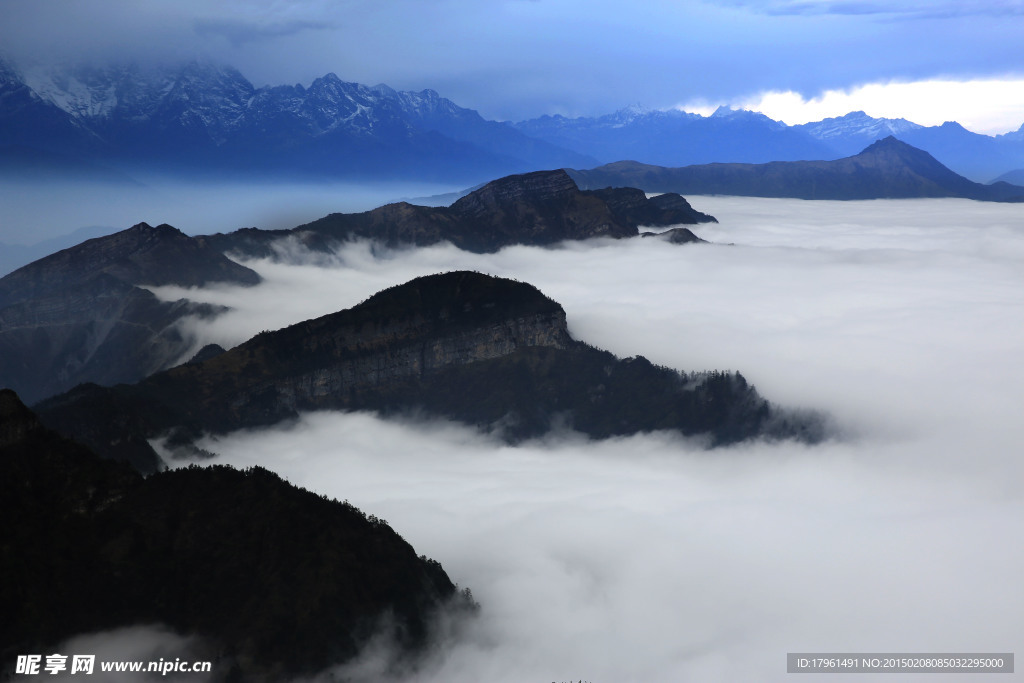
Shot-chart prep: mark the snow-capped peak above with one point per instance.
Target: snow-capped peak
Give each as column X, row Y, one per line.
column 858, row 124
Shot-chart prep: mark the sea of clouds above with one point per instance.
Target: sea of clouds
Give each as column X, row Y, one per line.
column 648, row 559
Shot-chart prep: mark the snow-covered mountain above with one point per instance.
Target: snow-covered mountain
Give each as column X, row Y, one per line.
column 857, row 125
column 210, row 116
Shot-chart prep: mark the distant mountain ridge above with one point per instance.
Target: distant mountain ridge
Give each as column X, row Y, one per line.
column 208, row 119
column 887, row 169
column 678, row 138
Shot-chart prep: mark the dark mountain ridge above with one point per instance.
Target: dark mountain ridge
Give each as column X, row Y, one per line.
column 277, row 581
column 539, row 208
column 485, row 351
column 888, row 169
column 80, row 315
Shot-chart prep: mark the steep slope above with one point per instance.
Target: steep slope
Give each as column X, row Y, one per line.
column 275, row 580
column 888, row 168
column 482, row 350
column 539, row 208
column 80, row 316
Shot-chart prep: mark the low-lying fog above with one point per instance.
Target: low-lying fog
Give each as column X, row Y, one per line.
column 34, row 211
column 645, row 559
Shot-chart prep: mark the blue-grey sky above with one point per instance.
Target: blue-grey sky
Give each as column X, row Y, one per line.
column 517, row 59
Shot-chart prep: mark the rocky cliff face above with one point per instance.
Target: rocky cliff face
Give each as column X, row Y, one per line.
column 398, row 335
column 403, row 354
column 79, row 315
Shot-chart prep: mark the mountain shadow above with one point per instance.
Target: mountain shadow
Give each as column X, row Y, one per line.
column 485, row 351
column 888, row 169
column 276, row 581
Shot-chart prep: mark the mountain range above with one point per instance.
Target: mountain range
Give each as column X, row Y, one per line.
column 678, row 138
column 202, row 119
column 207, row 119
column 887, row 169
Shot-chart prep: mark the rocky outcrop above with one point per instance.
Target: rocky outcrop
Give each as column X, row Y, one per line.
column 79, row 315
column 275, row 581
column 535, row 209
column 675, row 236
column 888, row 169
column 538, row 209
column 482, row 350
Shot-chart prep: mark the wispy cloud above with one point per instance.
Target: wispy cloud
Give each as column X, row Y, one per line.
column 239, row 32
column 990, row 106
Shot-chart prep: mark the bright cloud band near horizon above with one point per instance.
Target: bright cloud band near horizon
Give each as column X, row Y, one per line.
column 987, row 106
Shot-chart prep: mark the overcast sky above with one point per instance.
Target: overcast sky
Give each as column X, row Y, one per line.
column 796, row 60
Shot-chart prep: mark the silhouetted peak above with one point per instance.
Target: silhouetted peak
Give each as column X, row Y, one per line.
column 890, row 144
column 449, row 296
column 16, row 420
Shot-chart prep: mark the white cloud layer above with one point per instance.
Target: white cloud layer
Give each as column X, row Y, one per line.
column 644, row 559
column 990, row 106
